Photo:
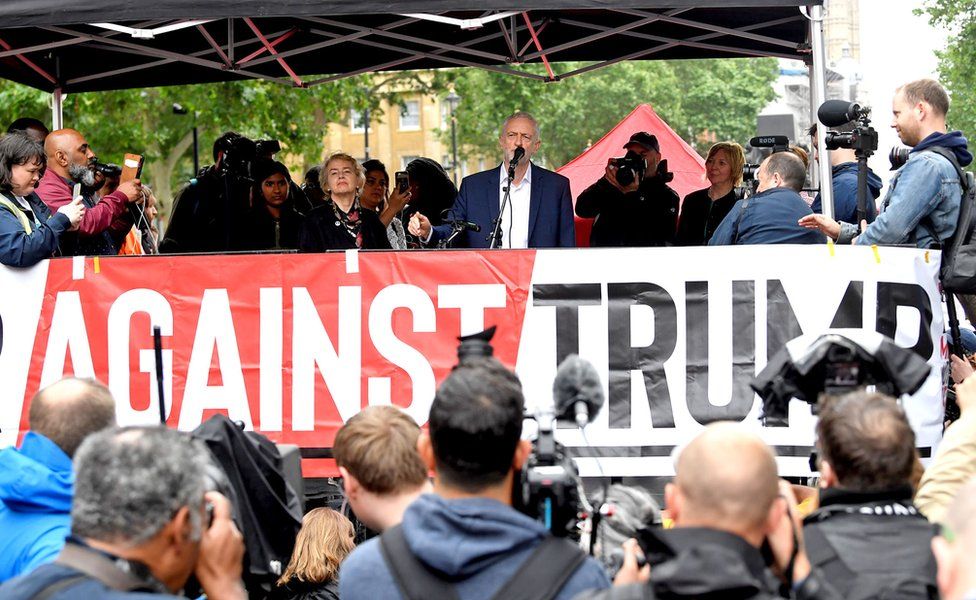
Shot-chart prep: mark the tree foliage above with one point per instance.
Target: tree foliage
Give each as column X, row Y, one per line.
column 704, row 98
column 957, row 63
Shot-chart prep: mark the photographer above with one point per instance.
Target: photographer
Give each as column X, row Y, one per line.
column 922, row 203
column 466, row 535
column 632, row 203
column 107, row 220
column 843, row 165
column 867, row 536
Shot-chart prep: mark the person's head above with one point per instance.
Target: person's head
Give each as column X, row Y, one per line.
column 474, row 428
column 723, row 164
column 69, row 410
column 343, row 175
column 70, row 156
column 431, row 189
column 520, row 130
column 865, row 443
column 271, row 182
column 646, row 146
column 139, row 493
column 323, row 542
column 918, row 109
column 955, row 548
column 781, row 169
column 801, row 154
column 22, row 162
column 726, row 479
column 149, row 206
column 376, row 452
column 34, row 128
column 312, row 186
column 376, row 186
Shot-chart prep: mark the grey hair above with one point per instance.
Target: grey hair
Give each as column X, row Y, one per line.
column 521, row 114
column 131, row 481
column 634, row 508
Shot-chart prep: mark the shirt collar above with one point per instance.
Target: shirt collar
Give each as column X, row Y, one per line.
column 503, row 180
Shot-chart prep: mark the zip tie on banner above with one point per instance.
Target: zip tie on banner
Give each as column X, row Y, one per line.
column 830, row 247
column 97, row 266
column 874, row 248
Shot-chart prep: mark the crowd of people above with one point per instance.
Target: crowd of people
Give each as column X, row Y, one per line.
column 92, row 510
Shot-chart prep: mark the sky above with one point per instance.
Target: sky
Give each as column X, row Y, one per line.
column 896, row 47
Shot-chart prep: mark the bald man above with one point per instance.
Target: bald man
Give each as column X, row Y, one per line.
column 36, row 480
column 70, row 160
column 725, row 502
column 955, row 548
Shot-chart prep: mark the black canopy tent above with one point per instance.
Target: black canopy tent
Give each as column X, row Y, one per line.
column 98, row 45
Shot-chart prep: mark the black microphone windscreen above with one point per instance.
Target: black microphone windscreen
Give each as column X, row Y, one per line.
column 519, row 153
column 576, row 381
column 834, row 113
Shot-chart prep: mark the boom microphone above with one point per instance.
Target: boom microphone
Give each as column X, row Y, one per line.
column 577, row 391
column 834, row 113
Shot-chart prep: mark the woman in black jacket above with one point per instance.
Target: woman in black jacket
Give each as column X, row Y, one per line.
column 273, row 222
column 341, row 223
column 702, row 211
column 324, row 541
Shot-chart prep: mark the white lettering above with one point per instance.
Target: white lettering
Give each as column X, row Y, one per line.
column 68, row 334
column 271, row 359
column 472, row 300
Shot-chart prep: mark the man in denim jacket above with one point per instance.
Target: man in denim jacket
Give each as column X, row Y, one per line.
column 922, row 203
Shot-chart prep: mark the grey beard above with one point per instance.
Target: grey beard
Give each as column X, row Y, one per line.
column 82, row 174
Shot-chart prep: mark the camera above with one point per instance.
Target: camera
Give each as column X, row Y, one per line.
column 864, row 139
column 898, row 156
column 238, row 154
column 630, row 168
column 267, row 148
column 778, row 143
column 109, row 170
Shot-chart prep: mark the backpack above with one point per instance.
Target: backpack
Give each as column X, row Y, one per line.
column 958, row 273
column 541, row 576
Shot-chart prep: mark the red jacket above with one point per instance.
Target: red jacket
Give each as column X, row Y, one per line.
column 55, row 191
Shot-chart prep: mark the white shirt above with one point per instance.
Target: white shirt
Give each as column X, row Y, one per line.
column 515, row 221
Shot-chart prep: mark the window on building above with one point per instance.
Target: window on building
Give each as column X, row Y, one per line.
column 410, row 115
column 356, row 122
column 405, row 160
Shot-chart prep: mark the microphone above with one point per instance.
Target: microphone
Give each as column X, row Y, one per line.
column 519, row 153
column 466, row 226
column 577, row 391
column 833, row 113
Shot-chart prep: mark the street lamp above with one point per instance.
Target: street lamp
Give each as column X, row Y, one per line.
column 179, row 109
column 452, row 102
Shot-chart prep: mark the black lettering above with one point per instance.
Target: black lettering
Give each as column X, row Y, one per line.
column 624, row 357
column 743, row 352
column 850, row 313
column 781, row 322
column 893, row 295
column 567, row 298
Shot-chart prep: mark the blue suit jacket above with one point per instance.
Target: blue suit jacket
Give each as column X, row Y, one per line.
column 550, row 210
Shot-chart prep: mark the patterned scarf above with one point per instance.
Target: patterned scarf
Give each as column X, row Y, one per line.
column 350, row 220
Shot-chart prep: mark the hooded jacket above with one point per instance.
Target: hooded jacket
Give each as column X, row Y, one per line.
column 922, row 203
column 844, row 179
column 476, row 542
column 36, row 486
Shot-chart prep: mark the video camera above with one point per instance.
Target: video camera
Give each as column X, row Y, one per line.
column 835, row 362
column 240, row 152
column 548, row 487
column 838, row 113
column 778, row 143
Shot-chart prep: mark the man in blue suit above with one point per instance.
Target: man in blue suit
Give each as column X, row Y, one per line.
column 539, row 213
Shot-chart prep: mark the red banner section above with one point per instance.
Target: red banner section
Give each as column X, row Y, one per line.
column 290, row 345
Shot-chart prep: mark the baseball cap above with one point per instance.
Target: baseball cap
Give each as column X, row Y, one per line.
column 647, row 140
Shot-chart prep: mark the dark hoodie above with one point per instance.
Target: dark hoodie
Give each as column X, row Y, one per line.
column 845, row 194
column 36, row 486
column 953, row 140
column 477, row 542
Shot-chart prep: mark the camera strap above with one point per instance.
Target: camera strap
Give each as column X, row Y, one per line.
column 541, row 576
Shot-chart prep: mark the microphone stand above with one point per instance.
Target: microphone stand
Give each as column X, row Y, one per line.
column 457, row 227
column 495, row 239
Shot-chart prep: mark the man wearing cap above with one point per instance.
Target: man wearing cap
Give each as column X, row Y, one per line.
column 642, row 212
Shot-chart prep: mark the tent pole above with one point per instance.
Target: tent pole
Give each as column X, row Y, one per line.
column 57, row 112
column 818, row 93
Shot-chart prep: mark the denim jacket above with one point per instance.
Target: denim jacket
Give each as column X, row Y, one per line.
column 921, row 206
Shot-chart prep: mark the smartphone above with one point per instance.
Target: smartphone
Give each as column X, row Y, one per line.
column 76, row 192
column 131, row 168
column 402, row 179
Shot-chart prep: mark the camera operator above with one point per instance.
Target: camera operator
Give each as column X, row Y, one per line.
column 208, row 211
column 466, row 535
column 107, row 220
column 867, row 536
column 632, row 203
column 843, row 165
column 922, row 203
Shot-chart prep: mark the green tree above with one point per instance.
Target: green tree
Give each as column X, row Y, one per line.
column 957, row 63
column 720, row 98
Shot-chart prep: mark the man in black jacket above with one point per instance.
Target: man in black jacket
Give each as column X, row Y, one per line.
column 725, row 502
column 867, row 536
column 636, row 209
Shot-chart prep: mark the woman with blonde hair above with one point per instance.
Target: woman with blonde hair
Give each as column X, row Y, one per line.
column 342, row 223
column 324, row 541
column 702, row 211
